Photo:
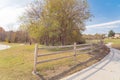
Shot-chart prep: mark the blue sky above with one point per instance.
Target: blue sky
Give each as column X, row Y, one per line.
column 106, row 15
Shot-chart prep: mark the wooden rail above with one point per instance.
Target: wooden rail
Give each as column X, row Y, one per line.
column 74, row 49
column 54, row 59
column 53, row 53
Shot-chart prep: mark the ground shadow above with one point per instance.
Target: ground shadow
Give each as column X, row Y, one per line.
column 66, row 72
column 63, row 74
column 97, row 69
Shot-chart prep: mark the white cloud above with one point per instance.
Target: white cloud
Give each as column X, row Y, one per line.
column 9, row 15
column 10, row 10
column 112, row 24
column 10, row 3
column 103, row 28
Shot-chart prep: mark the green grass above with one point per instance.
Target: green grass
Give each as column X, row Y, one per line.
column 16, row 63
column 92, row 41
column 116, row 42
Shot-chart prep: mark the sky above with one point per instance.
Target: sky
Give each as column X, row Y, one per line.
column 106, row 15
column 10, row 11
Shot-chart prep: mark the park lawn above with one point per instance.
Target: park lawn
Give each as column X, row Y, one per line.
column 115, row 42
column 16, row 63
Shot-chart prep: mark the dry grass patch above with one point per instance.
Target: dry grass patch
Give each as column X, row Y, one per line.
column 16, row 63
column 60, row 68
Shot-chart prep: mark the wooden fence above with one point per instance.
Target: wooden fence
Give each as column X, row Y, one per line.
column 75, row 48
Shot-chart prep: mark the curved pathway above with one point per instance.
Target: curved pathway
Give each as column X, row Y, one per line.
column 107, row 69
column 3, row 47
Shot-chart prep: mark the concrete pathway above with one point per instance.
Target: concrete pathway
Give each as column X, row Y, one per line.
column 107, row 69
column 109, row 44
column 3, row 47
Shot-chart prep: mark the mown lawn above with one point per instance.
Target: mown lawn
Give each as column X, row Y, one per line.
column 16, row 63
column 116, row 42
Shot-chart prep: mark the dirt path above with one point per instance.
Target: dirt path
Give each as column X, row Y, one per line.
column 109, row 44
column 3, row 47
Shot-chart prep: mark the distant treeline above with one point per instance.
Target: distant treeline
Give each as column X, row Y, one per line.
column 94, row 36
column 14, row 36
column 23, row 37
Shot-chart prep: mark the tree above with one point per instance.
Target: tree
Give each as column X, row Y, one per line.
column 111, row 33
column 57, row 21
column 2, row 34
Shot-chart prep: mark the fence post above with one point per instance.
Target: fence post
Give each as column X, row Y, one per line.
column 101, row 43
column 35, row 58
column 91, row 48
column 75, row 51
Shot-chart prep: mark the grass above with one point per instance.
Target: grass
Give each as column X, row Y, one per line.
column 16, row 63
column 92, row 41
column 116, row 42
